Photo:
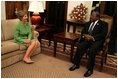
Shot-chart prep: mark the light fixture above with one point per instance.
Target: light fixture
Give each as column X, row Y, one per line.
column 36, row 7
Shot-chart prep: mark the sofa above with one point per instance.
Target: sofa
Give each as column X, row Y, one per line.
column 12, row 52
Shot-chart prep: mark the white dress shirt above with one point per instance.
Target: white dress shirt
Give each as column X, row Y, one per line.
column 92, row 28
column 93, row 25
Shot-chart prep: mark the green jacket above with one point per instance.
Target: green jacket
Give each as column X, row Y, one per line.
column 22, row 32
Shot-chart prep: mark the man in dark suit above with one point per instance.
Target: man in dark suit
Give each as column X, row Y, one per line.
column 93, row 36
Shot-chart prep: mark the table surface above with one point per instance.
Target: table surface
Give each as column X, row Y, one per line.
column 67, row 35
column 74, row 21
column 42, row 28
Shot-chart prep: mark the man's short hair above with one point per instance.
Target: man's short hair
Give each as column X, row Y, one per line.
column 97, row 14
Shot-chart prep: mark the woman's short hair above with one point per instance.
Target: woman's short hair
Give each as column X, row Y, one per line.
column 20, row 14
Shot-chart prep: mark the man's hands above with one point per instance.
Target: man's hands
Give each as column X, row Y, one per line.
column 27, row 42
column 88, row 37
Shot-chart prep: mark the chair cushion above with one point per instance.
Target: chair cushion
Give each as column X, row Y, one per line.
column 8, row 27
column 8, row 46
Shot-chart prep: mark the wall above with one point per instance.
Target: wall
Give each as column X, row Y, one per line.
column 72, row 4
column 3, row 12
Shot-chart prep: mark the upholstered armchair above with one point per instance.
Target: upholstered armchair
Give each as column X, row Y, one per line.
column 103, row 53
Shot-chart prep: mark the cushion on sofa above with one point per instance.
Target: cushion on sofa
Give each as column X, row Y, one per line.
column 11, row 54
column 11, row 60
column 8, row 27
column 22, row 47
column 8, row 47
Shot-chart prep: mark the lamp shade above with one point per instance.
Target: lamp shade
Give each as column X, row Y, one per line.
column 36, row 6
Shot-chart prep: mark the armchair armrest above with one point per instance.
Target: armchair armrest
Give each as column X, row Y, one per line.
column 106, row 42
column 105, row 46
column 33, row 27
column 35, row 35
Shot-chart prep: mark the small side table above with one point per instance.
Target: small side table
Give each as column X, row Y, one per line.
column 66, row 38
column 45, row 33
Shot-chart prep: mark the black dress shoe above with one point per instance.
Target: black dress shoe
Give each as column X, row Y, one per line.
column 88, row 73
column 74, row 67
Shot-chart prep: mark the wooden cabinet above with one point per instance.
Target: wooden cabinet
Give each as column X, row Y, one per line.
column 12, row 7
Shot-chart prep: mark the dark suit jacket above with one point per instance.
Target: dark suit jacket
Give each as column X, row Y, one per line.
column 99, row 31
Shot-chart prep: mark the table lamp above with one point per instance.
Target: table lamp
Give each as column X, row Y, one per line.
column 36, row 7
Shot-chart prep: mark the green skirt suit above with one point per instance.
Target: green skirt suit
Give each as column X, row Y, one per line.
column 22, row 32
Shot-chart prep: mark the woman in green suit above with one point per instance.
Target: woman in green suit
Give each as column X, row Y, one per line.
column 23, row 36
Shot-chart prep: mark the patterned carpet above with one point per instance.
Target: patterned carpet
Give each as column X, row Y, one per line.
column 109, row 67
column 47, row 67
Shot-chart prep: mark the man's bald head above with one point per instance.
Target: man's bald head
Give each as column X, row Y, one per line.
column 95, row 16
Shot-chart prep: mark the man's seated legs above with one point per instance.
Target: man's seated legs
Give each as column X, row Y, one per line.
column 81, row 49
column 94, row 48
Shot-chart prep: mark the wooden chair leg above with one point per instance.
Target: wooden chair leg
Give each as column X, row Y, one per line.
column 105, row 58
column 86, row 55
column 101, row 67
column 49, row 42
column 64, row 47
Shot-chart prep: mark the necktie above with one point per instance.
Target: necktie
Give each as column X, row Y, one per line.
column 90, row 29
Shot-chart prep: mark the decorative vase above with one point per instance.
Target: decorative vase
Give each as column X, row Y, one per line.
column 36, row 19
